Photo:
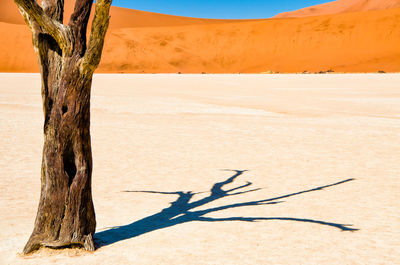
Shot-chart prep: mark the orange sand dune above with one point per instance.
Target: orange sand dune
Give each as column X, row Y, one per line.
column 341, row 6
column 143, row 42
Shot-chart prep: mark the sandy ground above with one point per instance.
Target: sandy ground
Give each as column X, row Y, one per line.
column 322, row 154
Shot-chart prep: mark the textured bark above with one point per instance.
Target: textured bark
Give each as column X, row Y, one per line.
column 65, row 214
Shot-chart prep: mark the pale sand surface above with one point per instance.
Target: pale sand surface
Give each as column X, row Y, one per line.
column 172, row 133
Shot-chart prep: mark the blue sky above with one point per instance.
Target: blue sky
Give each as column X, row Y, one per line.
column 219, row 8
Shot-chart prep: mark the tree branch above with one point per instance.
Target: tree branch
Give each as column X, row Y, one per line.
column 30, row 9
column 54, row 9
column 78, row 23
column 100, row 24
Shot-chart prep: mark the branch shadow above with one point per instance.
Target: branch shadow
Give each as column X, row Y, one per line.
column 181, row 211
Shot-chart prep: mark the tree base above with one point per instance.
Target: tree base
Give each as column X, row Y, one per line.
column 35, row 243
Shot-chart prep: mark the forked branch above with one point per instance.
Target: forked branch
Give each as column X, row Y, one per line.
column 31, row 10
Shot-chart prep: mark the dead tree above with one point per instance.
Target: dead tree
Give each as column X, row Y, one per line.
column 65, row 214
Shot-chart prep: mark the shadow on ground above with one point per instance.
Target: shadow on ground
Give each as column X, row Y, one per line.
column 181, row 211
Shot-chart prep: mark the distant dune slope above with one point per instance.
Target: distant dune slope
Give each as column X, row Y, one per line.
column 342, row 6
column 144, row 42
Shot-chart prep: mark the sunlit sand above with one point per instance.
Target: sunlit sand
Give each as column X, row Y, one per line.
column 219, row 169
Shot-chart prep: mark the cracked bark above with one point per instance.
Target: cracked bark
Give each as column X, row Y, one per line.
column 65, row 214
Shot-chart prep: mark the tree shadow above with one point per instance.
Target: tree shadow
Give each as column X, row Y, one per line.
column 181, row 211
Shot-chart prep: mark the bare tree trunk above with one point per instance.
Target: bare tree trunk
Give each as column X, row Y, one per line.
column 65, row 214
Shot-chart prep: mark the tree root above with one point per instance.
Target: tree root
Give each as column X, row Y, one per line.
column 35, row 243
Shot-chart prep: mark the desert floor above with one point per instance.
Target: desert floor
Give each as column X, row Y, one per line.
column 321, row 152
